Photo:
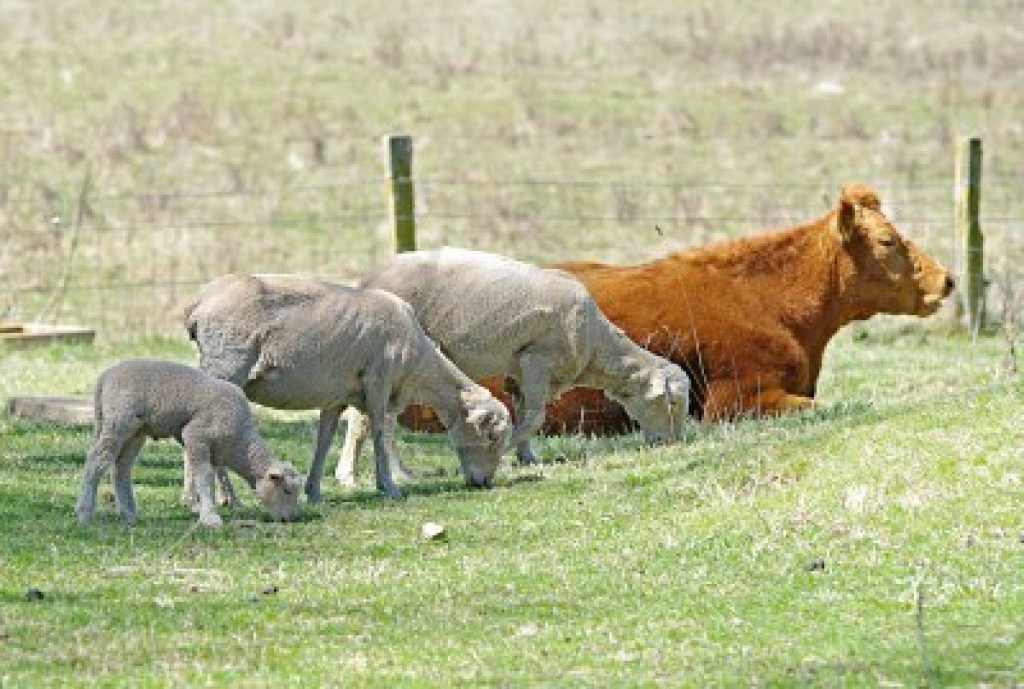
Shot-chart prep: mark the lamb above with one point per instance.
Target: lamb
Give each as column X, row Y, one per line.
column 292, row 342
column 495, row 316
column 148, row 398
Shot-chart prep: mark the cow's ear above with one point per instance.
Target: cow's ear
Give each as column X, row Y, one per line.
column 846, row 219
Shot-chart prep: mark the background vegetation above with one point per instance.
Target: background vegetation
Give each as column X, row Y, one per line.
column 247, row 135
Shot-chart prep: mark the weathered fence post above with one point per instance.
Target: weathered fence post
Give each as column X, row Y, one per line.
column 969, row 238
column 398, row 153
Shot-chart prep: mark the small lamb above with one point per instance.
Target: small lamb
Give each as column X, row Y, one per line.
column 493, row 316
column 147, row 398
column 292, row 342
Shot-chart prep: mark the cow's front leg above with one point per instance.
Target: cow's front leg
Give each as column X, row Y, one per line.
column 728, row 400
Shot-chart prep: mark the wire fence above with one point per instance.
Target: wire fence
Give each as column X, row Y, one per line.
column 127, row 261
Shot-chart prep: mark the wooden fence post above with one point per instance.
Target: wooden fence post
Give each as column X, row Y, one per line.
column 968, row 230
column 398, row 153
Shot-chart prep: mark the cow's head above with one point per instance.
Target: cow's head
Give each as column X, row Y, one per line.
column 888, row 272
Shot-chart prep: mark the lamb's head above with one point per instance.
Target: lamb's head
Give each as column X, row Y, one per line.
column 659, row 400
column 480, row 435
column 279, row 489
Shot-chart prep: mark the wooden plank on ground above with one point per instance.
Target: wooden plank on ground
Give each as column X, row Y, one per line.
column 68, row 411
column 29, row 334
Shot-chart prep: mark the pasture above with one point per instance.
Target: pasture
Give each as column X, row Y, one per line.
column 877, row 541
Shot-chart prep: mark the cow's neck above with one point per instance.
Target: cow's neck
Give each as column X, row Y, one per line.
column 803, row 274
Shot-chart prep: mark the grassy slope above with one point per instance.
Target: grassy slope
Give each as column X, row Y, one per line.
column 681, row 565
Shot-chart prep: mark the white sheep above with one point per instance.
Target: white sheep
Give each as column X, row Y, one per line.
column 493, row 316
column 293, row 342
column 147, row 398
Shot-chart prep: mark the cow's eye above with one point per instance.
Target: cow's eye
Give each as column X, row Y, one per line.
column 887, row 241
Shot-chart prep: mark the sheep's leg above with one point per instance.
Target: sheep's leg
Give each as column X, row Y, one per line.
column 198, row 455
column 531, row 396
column 104, row 450
column 324, row 435
column 123, row 492
column 357, row 430
column 357, row 427
column 383, row 425
column 383, row 429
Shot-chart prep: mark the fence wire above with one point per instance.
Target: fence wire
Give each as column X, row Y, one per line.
column 134, row 258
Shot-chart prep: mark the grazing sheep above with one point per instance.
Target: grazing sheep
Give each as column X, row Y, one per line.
column 293, row 342
column 147, row 398
column 494, row 316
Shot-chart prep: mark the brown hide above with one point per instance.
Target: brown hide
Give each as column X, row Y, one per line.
column 749, row 319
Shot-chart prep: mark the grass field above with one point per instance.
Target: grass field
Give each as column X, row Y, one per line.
column 878, row 541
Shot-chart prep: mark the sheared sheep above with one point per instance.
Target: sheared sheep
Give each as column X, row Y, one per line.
column 293, row 342
column 147, row 398
column 494, row 316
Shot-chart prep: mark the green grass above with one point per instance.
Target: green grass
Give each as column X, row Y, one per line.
column 686, row 565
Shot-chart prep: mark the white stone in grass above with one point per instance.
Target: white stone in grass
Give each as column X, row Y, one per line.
column 432, row 531
column 527, row 630
column 856, row 498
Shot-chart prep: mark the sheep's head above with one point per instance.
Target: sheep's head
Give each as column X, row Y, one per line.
column 279, row 490
column 480, row 436
column 661, row 402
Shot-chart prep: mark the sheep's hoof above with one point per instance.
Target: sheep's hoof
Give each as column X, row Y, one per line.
column 526, row 458
column 212, row 520
column 391, row 492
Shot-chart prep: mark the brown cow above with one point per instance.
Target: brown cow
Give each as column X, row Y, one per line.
column 749, row 319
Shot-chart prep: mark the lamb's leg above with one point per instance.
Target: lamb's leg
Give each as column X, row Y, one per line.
column 104, row 450
column 357, row 427
column 324, row 435
column 123, row 492
column 189, row 497
column 198, row 455
column 228, row 496
column 531, row 397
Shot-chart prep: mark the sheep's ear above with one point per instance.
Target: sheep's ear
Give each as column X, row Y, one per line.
column 481, row 419
column 678, row 393
column 486, row 423
column 656, row 387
